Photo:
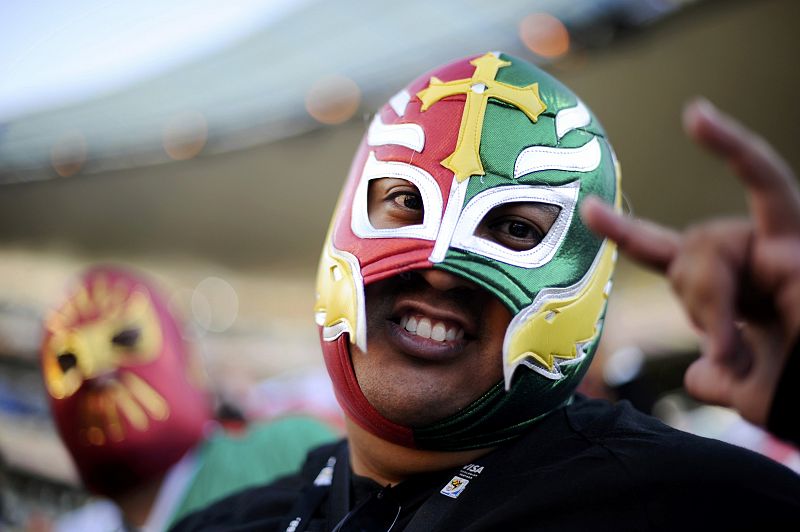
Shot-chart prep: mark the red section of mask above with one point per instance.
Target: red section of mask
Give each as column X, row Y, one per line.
column 380, row 258
column 352, row 401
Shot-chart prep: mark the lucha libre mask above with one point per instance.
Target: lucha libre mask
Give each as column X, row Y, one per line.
column 125, row 396
column 473, row 135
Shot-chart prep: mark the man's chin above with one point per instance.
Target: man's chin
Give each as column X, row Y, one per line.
column 414, row 409
column 414, row 418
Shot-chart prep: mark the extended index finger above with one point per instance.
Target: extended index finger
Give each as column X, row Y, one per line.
column 644, row 241
column 771, row 185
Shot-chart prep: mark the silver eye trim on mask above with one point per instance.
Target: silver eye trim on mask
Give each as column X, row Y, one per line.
column 564, row 196
column 429, row 192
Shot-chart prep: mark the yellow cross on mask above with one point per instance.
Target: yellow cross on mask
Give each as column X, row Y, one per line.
column 465, row 160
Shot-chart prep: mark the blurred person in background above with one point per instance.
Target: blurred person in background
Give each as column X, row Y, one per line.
column 738, row 278
column 460, row 301
column 4, row 520
column 130, row 402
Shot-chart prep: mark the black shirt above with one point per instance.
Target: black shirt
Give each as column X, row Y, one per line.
column 588, row 466
column 783, row 421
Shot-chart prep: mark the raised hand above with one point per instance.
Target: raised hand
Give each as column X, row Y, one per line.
column 738, row 279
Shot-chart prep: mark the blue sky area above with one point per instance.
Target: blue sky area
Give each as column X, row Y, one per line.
column 55, row 52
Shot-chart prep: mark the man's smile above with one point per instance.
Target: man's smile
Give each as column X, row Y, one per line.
column 430, row 326
column 434, row 343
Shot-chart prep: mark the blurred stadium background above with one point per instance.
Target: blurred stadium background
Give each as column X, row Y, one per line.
column 205, row 146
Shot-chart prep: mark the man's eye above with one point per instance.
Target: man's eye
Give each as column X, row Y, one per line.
column 520, row 230
column 515, row 234
column 394, row 203
column 408, row 200
column 518, row 226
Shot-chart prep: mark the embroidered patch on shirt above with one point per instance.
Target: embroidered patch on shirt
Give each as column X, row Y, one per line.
column 459, row 482
column 454, row 487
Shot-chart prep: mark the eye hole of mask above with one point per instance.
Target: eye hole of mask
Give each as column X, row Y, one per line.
column 67, row 361
column 393, row 202
column 126, row 337
column 518, row 226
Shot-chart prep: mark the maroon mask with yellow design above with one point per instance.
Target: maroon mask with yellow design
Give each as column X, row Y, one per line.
column 126, row 398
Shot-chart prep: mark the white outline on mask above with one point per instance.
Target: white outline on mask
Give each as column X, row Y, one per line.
column 564, row 196
column 425, row 183
column 572, row 118
column 399, row 102
column 409, row 135
column 452, row 214
column 539, row 158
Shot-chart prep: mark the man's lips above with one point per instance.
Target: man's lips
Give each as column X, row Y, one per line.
column 433, row 314
column 425, row 327
column 429, row 331
column 423, row 348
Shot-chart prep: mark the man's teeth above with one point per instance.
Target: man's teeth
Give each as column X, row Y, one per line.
column 435, row 330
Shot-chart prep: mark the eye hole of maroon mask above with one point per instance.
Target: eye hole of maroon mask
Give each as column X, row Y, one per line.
column 393, row 203
column 127, row 337
column 518, row 226
column 67, row 361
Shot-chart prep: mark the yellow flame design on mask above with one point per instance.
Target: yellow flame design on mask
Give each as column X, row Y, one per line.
column 90, row 342
column 130, row 398
column 339, row 299
column 560, row 324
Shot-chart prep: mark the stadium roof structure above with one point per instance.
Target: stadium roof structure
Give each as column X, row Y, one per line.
column 253, row 91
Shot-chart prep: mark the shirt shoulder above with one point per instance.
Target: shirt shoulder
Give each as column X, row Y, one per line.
column 665, row 468
column 597, row 466
column 258, row 508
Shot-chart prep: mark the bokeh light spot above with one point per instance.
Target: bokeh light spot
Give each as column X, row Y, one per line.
column 185, row 135
column 544, row 35
column 333, row 99
column 68, row 154
column 215, row 304
column 623, row 366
